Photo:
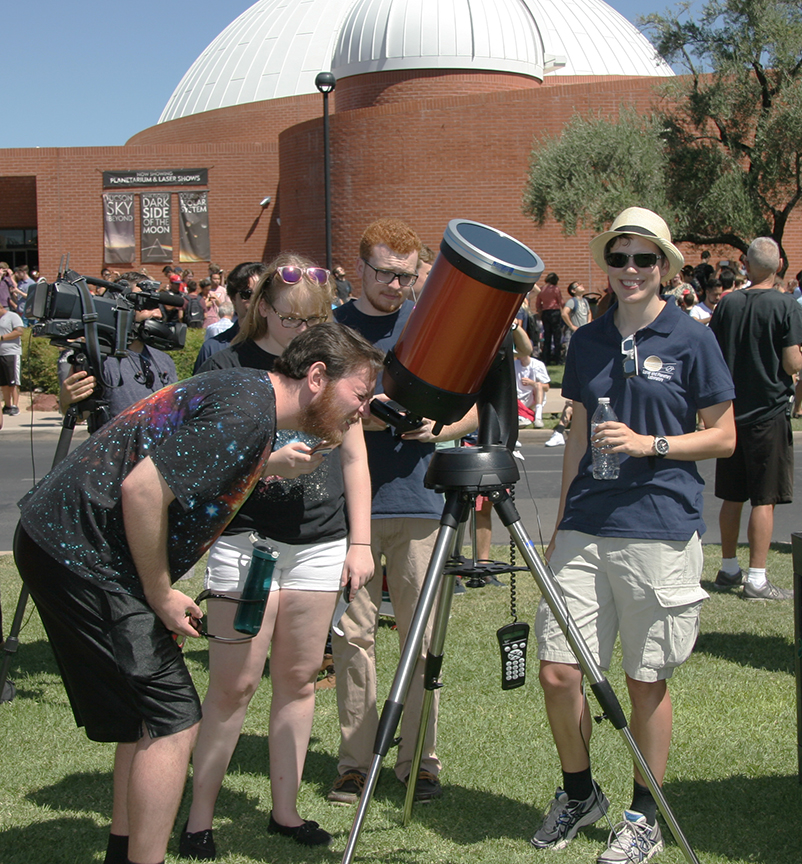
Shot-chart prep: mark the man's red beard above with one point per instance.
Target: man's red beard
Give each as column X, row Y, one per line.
column 322, row 418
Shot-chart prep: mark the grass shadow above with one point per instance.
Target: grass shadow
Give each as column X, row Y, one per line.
column 771, row 653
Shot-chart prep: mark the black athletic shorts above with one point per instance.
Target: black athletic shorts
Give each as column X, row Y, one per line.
column 121, row 667
column 761, row 470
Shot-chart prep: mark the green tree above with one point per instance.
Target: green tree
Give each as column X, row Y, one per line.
column 721, row 158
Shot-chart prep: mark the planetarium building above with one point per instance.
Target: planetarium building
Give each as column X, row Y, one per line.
column 435, row 111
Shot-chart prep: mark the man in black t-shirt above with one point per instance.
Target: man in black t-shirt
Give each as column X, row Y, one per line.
column 105, row 534
column 759, row 331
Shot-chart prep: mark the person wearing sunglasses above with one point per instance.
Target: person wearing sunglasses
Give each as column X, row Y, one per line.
column 240, row 285
column 302, row 510
column 627, row 552
column 137, row 375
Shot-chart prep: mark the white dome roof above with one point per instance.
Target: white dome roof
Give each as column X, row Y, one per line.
column 478, row 35
column 591, row 38
column 277, row 47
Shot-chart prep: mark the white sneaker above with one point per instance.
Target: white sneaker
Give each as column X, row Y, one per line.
column 538, row 424
column 556, row 440
column 632, row 841
column 523, row 422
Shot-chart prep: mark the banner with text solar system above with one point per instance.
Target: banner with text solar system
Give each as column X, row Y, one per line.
column 118, row 228
column 155, row 228
column 194, row 226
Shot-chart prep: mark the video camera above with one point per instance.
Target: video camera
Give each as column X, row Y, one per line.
column 66, row 307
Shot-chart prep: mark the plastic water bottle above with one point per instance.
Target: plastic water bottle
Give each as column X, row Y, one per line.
column 257, row 586
column 605, row 465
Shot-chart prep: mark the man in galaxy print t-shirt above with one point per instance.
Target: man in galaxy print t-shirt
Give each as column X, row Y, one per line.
column 105, row 534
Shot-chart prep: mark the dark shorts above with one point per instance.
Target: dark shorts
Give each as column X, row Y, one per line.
column 121, row 667
column 761, row 470
column 9, row 370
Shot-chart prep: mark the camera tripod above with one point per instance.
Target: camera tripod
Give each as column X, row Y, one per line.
column 462, row 473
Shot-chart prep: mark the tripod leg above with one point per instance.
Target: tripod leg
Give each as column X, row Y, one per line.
column 598, row 683
column 394, row 705
column 434, row 663
column 11, row 644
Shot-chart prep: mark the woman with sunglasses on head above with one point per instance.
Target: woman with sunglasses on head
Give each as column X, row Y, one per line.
column 627, row 551
column 302, row 509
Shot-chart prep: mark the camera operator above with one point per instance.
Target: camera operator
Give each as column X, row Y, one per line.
column 128, row 379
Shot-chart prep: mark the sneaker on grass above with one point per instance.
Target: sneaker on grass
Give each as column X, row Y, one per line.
column 769, row 591
column 632, row 841
column 724, row 581
column 566, row 817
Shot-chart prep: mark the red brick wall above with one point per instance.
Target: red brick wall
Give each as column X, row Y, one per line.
column 17, row 202
column 384, row 88
column 69, row 189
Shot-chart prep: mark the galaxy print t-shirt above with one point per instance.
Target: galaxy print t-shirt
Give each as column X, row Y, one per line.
column 306, row 509
column 208, row 436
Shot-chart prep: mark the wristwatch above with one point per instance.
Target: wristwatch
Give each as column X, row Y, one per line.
column 660, row 446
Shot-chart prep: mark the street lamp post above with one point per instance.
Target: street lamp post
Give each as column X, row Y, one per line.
column 325, row 83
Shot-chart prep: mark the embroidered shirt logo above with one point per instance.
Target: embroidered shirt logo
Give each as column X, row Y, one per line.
column 655, row 370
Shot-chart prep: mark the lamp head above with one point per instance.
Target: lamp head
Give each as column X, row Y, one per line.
column 325, row 82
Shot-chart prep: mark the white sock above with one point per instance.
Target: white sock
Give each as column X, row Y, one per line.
column 538, row 412
column 757, row 577
column 730, row 566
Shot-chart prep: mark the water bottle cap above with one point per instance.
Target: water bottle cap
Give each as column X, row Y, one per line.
column 604, row 400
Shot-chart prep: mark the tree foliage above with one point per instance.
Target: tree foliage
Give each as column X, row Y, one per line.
column 721, row 158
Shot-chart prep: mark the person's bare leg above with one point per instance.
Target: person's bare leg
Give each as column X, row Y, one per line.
column 568, row 713
column 758, row 533
column 484, row 531
column 235, row 672
column 651, row 724
column 729, row 522
column 299, row 640
column 156, row 781
column 123, row 756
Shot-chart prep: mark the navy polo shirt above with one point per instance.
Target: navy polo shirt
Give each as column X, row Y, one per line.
column 680, row 370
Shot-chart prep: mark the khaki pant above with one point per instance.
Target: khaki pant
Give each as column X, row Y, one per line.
column 406, row 544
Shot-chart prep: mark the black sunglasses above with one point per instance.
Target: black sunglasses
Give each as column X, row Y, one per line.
column 200, row 624
column 643, row 260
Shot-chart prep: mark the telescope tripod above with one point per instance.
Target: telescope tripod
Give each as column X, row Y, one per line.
column 462, row 473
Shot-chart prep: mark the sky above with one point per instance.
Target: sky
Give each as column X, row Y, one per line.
column 92, row 73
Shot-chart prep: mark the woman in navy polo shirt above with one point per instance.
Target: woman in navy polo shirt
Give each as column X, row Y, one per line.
column 627, row 552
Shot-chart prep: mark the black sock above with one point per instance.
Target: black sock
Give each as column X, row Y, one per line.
column 578, row 785
column 642, row 802
column 117, row 849
column 559, row 428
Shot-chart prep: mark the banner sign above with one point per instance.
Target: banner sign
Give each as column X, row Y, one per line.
column 155, row 229
column 166, row 177
column 118, row 228
column 194, row 226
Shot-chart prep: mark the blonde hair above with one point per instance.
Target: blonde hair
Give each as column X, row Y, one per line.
column 271, row 286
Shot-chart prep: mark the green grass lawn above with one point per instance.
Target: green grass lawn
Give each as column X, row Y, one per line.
column 732, row 776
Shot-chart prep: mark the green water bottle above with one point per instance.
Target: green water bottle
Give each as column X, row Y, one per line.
column 251, row 607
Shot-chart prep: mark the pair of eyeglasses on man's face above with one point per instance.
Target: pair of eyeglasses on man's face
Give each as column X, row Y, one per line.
column 386, row 277
column 643, row 260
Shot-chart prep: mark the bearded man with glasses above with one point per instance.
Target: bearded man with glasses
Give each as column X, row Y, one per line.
column 627, row 551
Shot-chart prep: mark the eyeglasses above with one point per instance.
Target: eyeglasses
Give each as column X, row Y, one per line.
column 405, row 280
column 293, row 322
column 145, row 375
column 641, row 259
column 200, row 623
column 629, row 356
column 292, row 274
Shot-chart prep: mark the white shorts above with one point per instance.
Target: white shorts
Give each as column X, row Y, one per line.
column 645, row 590
column 309, row 567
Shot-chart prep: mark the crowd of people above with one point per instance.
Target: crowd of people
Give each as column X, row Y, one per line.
column 277, row 428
